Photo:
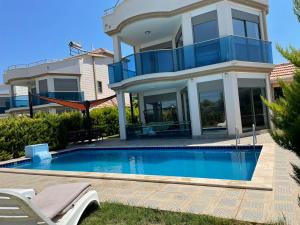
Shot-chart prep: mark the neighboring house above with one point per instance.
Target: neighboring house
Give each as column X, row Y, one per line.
column 4, row 98
column 78, row 78
column 284, row 72
column 197, row 63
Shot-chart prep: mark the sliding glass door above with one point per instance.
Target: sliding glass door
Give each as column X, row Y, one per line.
column 253, row 111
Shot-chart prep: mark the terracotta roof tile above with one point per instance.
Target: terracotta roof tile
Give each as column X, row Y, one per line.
column 283, row 70
column 101, row 51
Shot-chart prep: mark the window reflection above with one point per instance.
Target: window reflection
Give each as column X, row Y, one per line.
column 244, row 28
column 206, row 31
column 161, row 108
column 213, row 118
column 239, row 28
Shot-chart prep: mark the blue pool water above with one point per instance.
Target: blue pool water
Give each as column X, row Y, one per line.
column 215, row 163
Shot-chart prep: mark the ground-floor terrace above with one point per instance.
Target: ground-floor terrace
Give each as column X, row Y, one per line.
column 223, row 104
column 242, row 204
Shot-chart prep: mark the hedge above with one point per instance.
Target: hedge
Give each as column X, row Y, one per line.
column 17, row 132
column 107, row 119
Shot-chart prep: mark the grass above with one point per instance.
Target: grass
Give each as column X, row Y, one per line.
column 117, row 214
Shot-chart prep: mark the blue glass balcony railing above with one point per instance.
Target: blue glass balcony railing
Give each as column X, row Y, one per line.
column 4, row 104
column 23, row 100
column 210, row 52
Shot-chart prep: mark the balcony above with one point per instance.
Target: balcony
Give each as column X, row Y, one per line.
column 197, row 55
column 23, row 100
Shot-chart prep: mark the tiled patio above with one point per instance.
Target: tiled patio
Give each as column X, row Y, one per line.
column 249, row 205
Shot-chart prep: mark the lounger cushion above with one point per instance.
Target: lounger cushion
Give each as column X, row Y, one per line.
column 52, row 201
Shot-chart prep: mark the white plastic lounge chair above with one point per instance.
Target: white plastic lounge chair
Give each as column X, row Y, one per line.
column 61, row 204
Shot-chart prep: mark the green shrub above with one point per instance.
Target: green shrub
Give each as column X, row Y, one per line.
column 17, row 132
column 106, row 119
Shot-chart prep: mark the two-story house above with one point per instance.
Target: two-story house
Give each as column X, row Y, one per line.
column 78, row 78
column 199, row 62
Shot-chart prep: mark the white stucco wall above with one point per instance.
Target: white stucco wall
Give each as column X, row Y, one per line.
column 67, row 66
column 132, row 8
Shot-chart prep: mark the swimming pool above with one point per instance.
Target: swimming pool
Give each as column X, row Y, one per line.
column 195, row 162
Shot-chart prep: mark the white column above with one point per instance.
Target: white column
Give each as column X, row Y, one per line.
column 37, row 86
column 50, row 83
column 11, row 95
column 188, row 39
column 269, row 97
column 232, row 104
column 264, row 25
column 185, row 106
column 194, row 108
column 117, row 48
column 179, row 106
column 187, row 29
column 224, row 19
column 142, row 108
column 122, row 115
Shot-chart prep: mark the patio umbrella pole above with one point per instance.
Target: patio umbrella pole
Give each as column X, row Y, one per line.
column 30, row 104
column 88, row 120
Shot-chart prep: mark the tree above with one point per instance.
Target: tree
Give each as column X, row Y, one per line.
column 286, row 110
column 297, row 8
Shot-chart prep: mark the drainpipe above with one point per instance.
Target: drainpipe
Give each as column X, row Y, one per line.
column 94, row 76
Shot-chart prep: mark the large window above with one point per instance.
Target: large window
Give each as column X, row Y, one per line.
column 161, row 108
column 246, row 25
column 43, row 86
column 212, row 109
column 65, row 84
column 253, row 111
column 205, row 27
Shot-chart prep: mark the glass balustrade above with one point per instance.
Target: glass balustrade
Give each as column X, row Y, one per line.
column 197, row 55
column 23, row 100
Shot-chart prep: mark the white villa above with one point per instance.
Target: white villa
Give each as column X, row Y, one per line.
column 199, row 67
column 78, row 78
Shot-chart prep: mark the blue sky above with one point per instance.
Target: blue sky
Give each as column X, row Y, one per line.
column 32, row 30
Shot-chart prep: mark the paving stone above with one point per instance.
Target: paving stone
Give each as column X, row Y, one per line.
column 257, row 195
column 151, row 204
column 228, row 202
column 279, row 197
column 255, row 206
column 224, row 212
column 198, row 208
column 233, row 193
column 251, row 215
column 284, row 206
column 252, row 204
column 208, row 192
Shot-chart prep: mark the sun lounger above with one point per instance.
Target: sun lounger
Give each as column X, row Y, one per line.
column 61, row 204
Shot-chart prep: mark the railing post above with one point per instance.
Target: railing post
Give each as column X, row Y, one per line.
column 254, row 136
column 237, row 137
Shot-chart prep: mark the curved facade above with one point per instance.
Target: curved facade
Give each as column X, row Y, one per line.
column 198, row 68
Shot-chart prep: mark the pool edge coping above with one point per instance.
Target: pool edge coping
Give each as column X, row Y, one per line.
column 262, row 178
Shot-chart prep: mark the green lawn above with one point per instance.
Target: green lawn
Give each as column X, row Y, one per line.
column 118, row 214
